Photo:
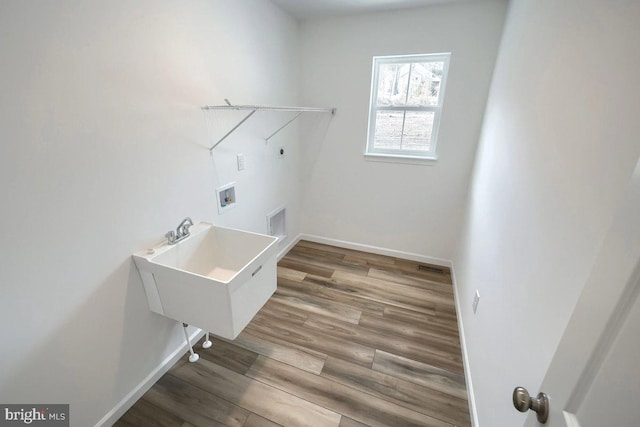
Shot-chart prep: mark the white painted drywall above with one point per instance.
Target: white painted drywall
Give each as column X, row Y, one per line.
column 403, row 207
column 559, row 144
column 103, row 149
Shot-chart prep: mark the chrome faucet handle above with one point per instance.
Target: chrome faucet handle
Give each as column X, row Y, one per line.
column 183, row 228
column 182, row 232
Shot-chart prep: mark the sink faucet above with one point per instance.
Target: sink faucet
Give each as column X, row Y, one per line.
column 182, row 232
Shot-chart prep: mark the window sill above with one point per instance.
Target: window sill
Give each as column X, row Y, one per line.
column 394, row 158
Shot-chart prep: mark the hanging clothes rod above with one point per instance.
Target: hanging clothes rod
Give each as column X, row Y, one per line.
column 270, row 108
column 254, row 108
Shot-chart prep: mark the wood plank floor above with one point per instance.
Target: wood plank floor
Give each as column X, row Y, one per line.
column 349, row 339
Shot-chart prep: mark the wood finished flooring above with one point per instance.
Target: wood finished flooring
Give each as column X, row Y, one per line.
column 349, row 339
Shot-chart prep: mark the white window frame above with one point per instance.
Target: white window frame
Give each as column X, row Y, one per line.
column 431, row 154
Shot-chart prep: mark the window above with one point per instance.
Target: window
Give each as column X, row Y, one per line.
column 406, row 103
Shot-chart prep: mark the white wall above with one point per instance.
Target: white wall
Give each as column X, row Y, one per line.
column 404, row 207
column 559, row 144
column 103, row 149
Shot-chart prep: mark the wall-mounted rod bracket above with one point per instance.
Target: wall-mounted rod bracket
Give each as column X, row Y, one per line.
column 283, row 126
column 254, row 108
column 233, row 129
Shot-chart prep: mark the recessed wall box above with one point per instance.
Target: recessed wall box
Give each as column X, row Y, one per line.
column 226, row 197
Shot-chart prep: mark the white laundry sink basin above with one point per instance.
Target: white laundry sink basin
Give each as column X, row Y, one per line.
column 216, row 279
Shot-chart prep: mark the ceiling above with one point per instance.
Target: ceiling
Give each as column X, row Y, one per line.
column 304, row 9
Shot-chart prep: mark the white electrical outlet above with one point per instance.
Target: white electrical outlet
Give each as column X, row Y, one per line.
column 476, row 300
column 240, row 158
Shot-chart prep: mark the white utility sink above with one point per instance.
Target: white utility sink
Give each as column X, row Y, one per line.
column 216, row 279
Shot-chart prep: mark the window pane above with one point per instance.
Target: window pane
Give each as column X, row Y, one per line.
column 418, row 126
column 406, row 103
column 393, row 80
column 424, row 86
column 388, row 130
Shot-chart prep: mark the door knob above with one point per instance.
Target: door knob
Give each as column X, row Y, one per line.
column 540, row 404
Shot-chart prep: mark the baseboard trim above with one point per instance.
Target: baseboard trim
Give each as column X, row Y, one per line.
column 375, row 249
column 132, row 397
column 287, row 248
column 465, row 355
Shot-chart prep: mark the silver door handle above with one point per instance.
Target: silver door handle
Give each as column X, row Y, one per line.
column 540, row 404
